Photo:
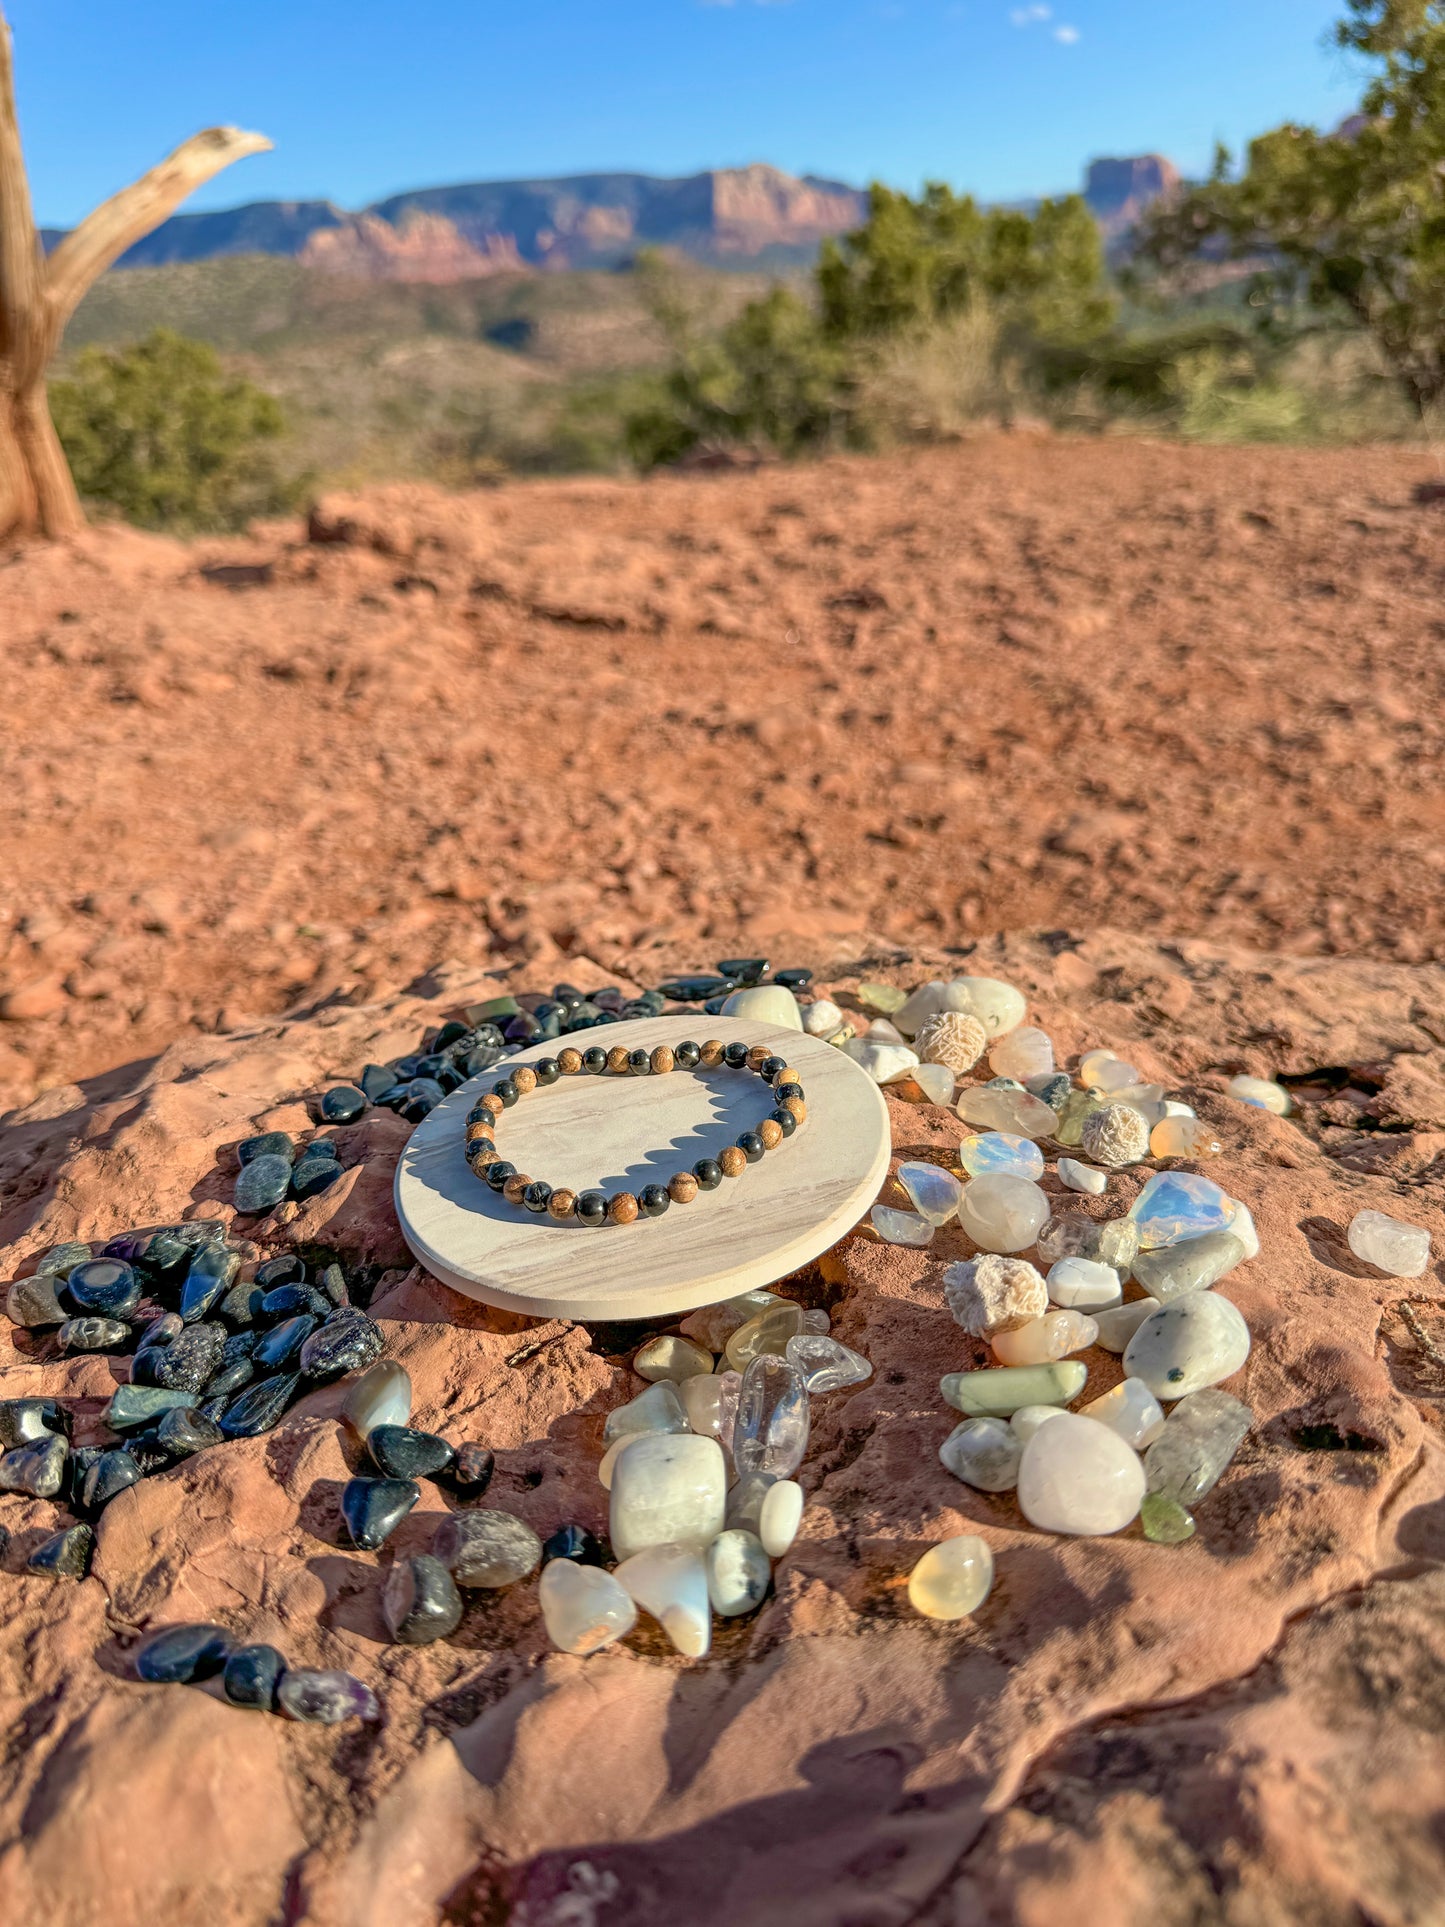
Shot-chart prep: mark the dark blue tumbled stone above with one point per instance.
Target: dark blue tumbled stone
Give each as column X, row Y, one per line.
column 343, row 1104
column 251, row 1676
column 422, row 1095
column 235, row 1368
column 260, row 1406
column 240, row 1304
column 713, row 1006
column 211, row 1275
column 375, row 1079
column 451, row 1032
column 278, row 1348
column 103, row 1288
column 692, row 990
column 66, row 1555
column 132, row 1407
column 347, row 1342
column 164, row 1259
column 404, row 1452
column 405, row 1067
column 331, row 1283
column 291, row 1301
column 374, row 1508
column 179, row 1654
column 481, row 1058
column 111, row 1473
column 269, row 1144
column 81, row 1460
column 314, row 1174
column 262, row 1185
column 93, row 1335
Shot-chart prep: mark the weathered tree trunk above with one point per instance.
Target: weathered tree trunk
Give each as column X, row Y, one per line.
column 38, row 297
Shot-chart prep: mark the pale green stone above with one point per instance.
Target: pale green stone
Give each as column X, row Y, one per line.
column 1164, row 1520
column 1176, row 1270
column 1075, row 1108
column 1001, row 1391
column 1200, row 1437
column 884, row 998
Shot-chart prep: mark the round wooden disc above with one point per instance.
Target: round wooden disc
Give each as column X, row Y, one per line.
column 621, row 1133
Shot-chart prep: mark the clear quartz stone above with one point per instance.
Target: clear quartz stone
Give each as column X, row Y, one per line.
column 1082, row 1177
column 658, row 1409
column 672, row 1358
column 1078, row 1477
column 668, row 1490
column 771, row 1432
column 1000, row 1391
column 999, row 1153
column 1181, row 1348
column 1003, row 1214
column 1391, row 1245
column 934, row 1193
column 1056, row 1335
column 706, row 1401
column 1175, row 1205
column 1173, row 1271
column 1189, row 1455
column 714, row 1325
column 1083, row 1284
column 583, row 1608
column 769, row 1332
column 984, row 1453
column 952, row 1579
column 816, row 1320
column 901, row 1227
column 1069, row 1235
column 1018, row 1113
column 936, row 1081
column 670, row 1583
column 1023, row 1053
column 1131, row 1410
column 1074, row 1113
column 738, row 1573
column 779, row 1516
column 826, row 1364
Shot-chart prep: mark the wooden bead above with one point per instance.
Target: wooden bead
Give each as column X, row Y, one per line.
column 492, row 1103
column 786, row 1077
column 562, row 1204
column 711, row 1054
column 682, row 1187
column 524, row 1078
column 758, row 1056
column 569, row 1061
column 796, row 1106
column 622, row 1208
column 662, row 1060
column 733, row 1161
column 514, row 1187
column 483, row 1128
column 771, row 1132
column 482, row 1153
column 617, row 1061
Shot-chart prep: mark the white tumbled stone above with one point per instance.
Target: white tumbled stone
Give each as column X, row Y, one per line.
column 668, row 1489
column 882, row 1062
column 1197, row 1341
column 1077, row 1476
column 1082, row 1177
column 896, row 1227
column 765, row 1004
column 1058, row 1334
column 1119, row 1324
column 738, row 1573
column 583, row 1608
column 1022, row 1053
column 1028, row 1418
column 381, row 1396
column 821, row 1018
column 658, row 1409
column 1131, row 1410
column 779, row 1516
column 1262, row 1092
column 984, row 1453
column 1391, row 1245
column 1003, row 1214
column 952, row 1579
column 1083, row 1284
column 1101, row 1070
column 670, row 1582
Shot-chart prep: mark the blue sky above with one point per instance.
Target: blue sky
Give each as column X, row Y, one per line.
column 1002, row 97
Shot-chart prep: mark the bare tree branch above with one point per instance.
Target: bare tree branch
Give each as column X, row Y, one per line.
column 19, row 251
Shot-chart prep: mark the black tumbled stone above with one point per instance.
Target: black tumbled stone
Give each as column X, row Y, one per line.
column 24, row 1419
column 288, row 1269
column 793, row 979
column 66, row 1555
column 315, row 1173
column 184, row 1431
column 260, row 1406
column 261, row 1186
column 269, row 1144
column 187, row 1364
column 180, row 1654
column 111, row 1473
column 251, row 1676
column 375, row 1080
column 291, row 1301
column 744, row 970
column 470, row 1473
column 404, row 1452
column 343, row 1104
column 373, row 1508
column 420, row 1601
column 103, row 1288
column 210, row 1276
column 279, row 1348
column 348, row 1342
column 576, row 1543
column 93, row 1335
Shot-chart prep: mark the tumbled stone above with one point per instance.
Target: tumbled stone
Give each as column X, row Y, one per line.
column 765, row 1004
column 779, row 1513
column 1183, row 1347
column 1072, row 1113
column 1083, row 1284
column 267, row 1144
column 250, row 1676
column 767, row 1334
column 372, row 1509
column 236, row 1367
column 608, row 1462
column 584, row 1608
column 826, row 1365
column 188, row 1363
column 240, row 1305
column 108, row 1475
column 572, row 1541
column 1118, row 1324
column 1164, row 1520
column 1183, row 1137
column 884, row 998
column 420, row 1601
column 471, row 1470
column 934, row 1193
column 658, row 1409
column 952, row 1579
column 317, row 1171
column 184, row 1432
column 881, row 1061
column 103, row 1288
column 92, row 1335
column 132, row 1406
column 280, row 1348
column 1028, row 1418
column 60, row 1260
column 901, row 1227
column 403, row 1452
column 324, row 1697
column 991, row 1107
column 1056, row 1335
column 1391, row 1245
column 381, row 1396
column 952, row 1039
column 1101, row 1070
column 160, row 1331
column 822, row 1017
column 347, row 1342
column 673, row 1358
column 1078, row 1477
column 1082, row 1177
column 37, row 1468
column 984, row 1453
column 1146, row 1099
column 287, row 1301
column 209, row 1276
column 710, row 1402
column 260, row 1407
column 1023, row 1053
column 1131, row 1410
column 486, row 1548
column 1116, row 1135
column 1177, row 1205
column 996, row 1153
column 1002, row 1214
column 670, row 1583
column 746, row 1501
column 261, row 1185
column 770, row 1432
column 1190, row 1454
column 33, row 1302
column 1173, row 1271
column 738, row 1574
column 65, row 1555
column 343, row 1104
column 993, row 1294
column 178, row 1655
column 1261, row 1092
column 997, row 1392
column 668, row 1490
column 714, row 1325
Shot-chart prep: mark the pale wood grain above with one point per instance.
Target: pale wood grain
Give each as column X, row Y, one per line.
column 614, row 1132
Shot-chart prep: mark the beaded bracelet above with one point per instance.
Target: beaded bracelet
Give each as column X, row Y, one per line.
column 621, row 1207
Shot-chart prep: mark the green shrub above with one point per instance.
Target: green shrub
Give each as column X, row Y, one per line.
column 159, row 432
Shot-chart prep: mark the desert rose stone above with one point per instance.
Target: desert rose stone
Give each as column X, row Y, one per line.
column 1078, row 1477
column 1181, row 1348
column 668, row 1490
column 994, row 1294
column 583, row 1608
column 952, row 1579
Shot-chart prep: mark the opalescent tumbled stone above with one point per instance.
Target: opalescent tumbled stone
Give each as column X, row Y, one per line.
column 673, row 1358
column 1028, row 1418
column 1261, row 1092
column 901, row 1227
column 1055, row 1335
column 1391, row 1245
column 769, row 1332
column 486, row 1548
column 1083, row 1284
column 1189, row 1455
column 1118, row 1324
column 1078, row 1477
column 984, row 1453
column 1164, row 1520
column 1131, row 1410
column 670, row 1583
column 996, row 1153
column 381, row 1396
column 738, row 1573
column 1015, row 1113
column 1175, row 1205
column 1023, row 1053
column 1183, row 1137
column 658, row 1409
column 934, row 1193
column 420, row 1601
column 771, row 1430
column 584, row 1608
column 325, row 1696
column 779, row 1516
column 1003, row 1214
column 826, row 1364
column 714, row 1325
column 952, row 1579
column 1082, row 1177
column 179, row 1654
column 1183, row 1347
column 998, row 1392
column 668, row 1490
column 1173, row 1271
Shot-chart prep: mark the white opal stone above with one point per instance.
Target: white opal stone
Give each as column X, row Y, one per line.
column 658, row 1409
column 1197, row 1341
column 997, row 1154
column 1262, row 1092
column 1391, row 1245
column 668, row 1490
column 901, row 1227
column 1118, row 1326
column 1002, row 1213
column 738, row 1573
column 1056, row 1335
column 381, row 1396
column 881, row 1061
column 826, row 1365
column 672, row 1358
column 1131, row 1410
column 714, row 1325
column 936, row 1081
column 1242, row 1225
column 1078, row 1477
column 768, row 1332
column 1028, row 1418
column 1082, row 1177
column 1083, row 1284
column 992, row 1294
column 1015, row 1113
column 583, row 1608
column 933, row 1192
column 765, row 1004
column 1023, row 1053
column 706, row 1401
column 984, row 1453
column 779, row 1516
column 670, row 1582
column 821, row 1018
column 773, row 1418
column 952, row 1579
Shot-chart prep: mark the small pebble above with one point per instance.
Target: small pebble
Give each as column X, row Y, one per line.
column 670, row 1583
column 1183, row 1137
column 1057, row 1334
column 952, row 1579
column 1391, row 1245
column 673, row 1358
column 472, row 1470
column 343, row 1104
column 65, row 1555
column 779, row 1514
column 826, row 1365
column 261, row 1186
column 933, row 1192
column 999, row 1392
column 381, row 1396
column 984, row 1453
column 1023, row 1053
column 420, row 1601
column 1183, row 1347
column 584, row 1608
column 372, row 1509
column 1083, row 1284
column 403, row 1452
column 901, row 1227
column 1003, row 1214
column 1082, row 1177
column 738, row 1573
column 37, row 1468
column 487, row 1548
column 250, row 1677
column 324, row 1697
column 348, row 1342
column 1079, row 1477
column 1131, row 1410
column 179, row 1655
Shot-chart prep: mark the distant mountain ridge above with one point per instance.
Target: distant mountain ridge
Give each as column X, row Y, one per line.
column 734, row 216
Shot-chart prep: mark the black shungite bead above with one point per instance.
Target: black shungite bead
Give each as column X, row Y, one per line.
column 251, row 1675
column 347, row 1342
column 784, row 1120
column 639, row 1062
column 279, row 1348
column 744, row 970
column 496, row 1175
column 576, row 1543
column 259, row 1407
column 790, row 1089
column 708, row 1173
column 404, row 1452
column 505, row 1089
column 735, row 1055
column 751, row 1146
column 374, row 1508
column 547, row 1070
column 291, row 1301
column 343, row 1104
column 111, row 1473
column 471, row 1471
column 594, row 1059
column 653, row 1200
column 270, row 1144
column 183, row 1432
column 592, row 1207
column 376, row 1079
column 772, row 1067
column 420, row 1601
column 537, row 1196
column 66, row 1555
column 793, row 979
column 180, row 1654
column 104, row 1288
column 285, row 1270
column 687, row 1055
column 210, row 1276
column 187, row 1364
